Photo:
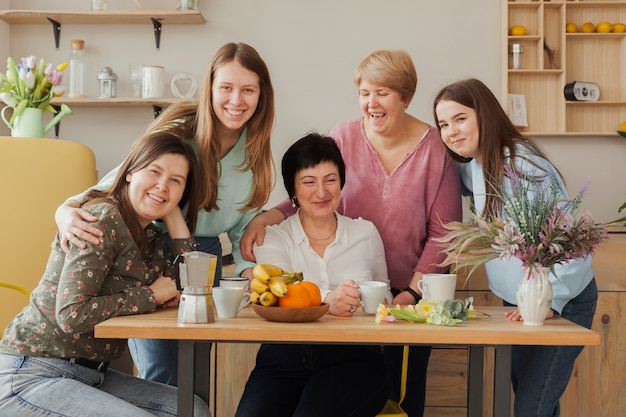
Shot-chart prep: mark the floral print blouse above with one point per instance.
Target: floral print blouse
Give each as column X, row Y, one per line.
column 88, row 286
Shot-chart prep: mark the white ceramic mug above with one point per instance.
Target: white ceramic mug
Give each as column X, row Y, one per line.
column 437, row 287
column 153, row 82
column 234, row 282
column 372, row 294
column 228, row 301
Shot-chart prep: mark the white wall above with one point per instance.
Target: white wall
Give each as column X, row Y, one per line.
column 311, row 48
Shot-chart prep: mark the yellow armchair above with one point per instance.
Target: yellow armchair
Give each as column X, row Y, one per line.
column 36, row 176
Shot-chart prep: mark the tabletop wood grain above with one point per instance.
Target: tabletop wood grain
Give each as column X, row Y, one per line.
column 360, row 329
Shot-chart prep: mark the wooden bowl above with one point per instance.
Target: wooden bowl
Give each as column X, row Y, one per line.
column 291, row 314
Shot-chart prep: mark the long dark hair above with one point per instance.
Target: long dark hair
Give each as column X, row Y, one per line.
column 497, row 134
column 144, row 151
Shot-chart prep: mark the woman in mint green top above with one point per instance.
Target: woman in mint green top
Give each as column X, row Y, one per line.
column 230, row 127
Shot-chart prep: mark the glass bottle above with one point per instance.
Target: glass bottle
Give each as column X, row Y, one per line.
column 77, row 69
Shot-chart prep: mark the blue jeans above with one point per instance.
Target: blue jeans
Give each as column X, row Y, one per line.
column 540, row 374
column 157, row 359
column 39, row 387
column 315, row 381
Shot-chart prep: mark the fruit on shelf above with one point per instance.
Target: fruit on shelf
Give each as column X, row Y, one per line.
column 588, row 27
column 619, row 28
column 518, row 30
column 604, row 27
column 571, row 28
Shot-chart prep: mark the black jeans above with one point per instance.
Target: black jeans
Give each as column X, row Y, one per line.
column 315, row 381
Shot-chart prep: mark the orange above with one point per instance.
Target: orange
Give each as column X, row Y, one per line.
column 623, row 127
column 297, row 296
column 518, row 30
column 588, row 27
column 571, row 28
column 314, row 291
column 617, row 28
column 604, row 27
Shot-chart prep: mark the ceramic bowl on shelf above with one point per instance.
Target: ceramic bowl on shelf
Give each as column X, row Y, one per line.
column 291, row 314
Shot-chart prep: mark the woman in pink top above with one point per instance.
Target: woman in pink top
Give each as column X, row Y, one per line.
column 400, row 177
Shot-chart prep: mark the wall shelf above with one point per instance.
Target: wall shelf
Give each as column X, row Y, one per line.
column 108, row 17
column 105, row 17
column 585, row 57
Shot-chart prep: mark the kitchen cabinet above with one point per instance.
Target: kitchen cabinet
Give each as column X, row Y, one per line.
column 553, row 58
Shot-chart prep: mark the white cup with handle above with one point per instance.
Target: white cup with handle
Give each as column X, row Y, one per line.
column 373, row 293
column 229, row 301
column 437, row 287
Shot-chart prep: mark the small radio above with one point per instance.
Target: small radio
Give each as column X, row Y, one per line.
column 581, row 91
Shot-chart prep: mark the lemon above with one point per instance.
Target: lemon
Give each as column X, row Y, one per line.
column 588, row 27
column 623, row 127
column 619, row 28
column 604, row 27
column 571, row 28
column 518, row 30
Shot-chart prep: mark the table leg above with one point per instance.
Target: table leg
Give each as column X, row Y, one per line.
column 475, row 381
column 502, row 389
column 186, row 361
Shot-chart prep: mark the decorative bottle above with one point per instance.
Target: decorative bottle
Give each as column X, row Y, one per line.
column 77, row 69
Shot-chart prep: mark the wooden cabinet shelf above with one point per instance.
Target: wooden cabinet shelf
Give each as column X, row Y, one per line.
column 584, row 57
column 102, row 16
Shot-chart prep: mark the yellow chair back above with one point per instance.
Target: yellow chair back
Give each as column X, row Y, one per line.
column 392, row 408
column 36, row 176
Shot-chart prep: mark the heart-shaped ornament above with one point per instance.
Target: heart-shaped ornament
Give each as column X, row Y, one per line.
column 184, row 85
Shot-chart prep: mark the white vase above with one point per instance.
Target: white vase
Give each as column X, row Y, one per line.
column 534, row 295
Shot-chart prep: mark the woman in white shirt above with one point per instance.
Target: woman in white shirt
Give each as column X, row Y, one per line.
column 336, row 253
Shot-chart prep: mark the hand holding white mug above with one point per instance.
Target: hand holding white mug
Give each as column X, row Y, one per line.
column 372, row 294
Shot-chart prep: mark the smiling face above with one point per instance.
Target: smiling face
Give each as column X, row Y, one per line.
column 235, row 95
column 459, row 128
column 383, row 108
column 155, row 190
column 318, row 190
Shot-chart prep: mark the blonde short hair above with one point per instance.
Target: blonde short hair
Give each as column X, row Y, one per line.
column 391, row 68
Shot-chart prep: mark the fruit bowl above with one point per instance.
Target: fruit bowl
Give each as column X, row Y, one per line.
column 621, row 133
column 291, row 314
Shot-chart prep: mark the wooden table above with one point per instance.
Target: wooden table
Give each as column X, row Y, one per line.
column 495, row 331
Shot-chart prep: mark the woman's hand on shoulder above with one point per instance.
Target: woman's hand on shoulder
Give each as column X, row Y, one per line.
column 344, row 300
column 74, row 226
column 165, row 292
column 255, row 232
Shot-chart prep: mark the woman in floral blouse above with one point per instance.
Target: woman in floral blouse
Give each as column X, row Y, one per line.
column 50, row 361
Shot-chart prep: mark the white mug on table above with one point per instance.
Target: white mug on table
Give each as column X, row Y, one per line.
column 229, row 301
column 437, row 287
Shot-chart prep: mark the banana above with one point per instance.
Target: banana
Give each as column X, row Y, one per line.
column 278, row 286
column 258, row 286
column 263, row 272
column 254, row 297
column 268, row 299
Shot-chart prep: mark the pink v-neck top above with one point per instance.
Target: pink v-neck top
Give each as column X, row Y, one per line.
column 408, row 206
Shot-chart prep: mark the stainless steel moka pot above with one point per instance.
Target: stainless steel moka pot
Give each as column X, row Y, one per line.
column 197, row 272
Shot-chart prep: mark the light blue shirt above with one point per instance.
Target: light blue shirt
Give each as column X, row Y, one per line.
column 504, row 276
column 234, row 188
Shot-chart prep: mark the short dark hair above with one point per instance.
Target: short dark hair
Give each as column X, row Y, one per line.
column 308, row 152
